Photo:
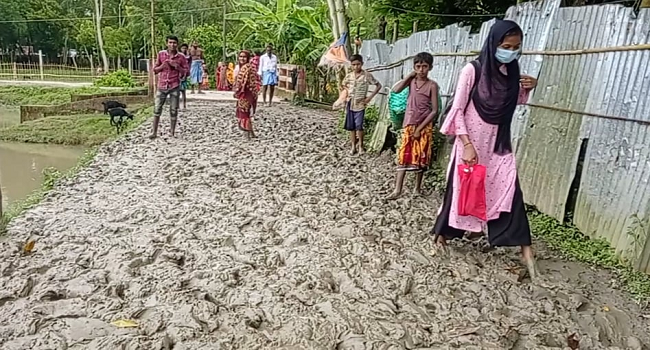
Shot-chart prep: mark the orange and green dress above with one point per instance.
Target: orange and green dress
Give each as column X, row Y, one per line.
column 415, row 153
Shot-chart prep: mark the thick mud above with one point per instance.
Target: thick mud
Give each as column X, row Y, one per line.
column 210, row 241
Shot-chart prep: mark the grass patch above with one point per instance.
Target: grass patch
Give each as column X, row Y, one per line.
column 574, row 245
column 33, row 95
column 570, row 243
column 83, row 130
column 57, row 132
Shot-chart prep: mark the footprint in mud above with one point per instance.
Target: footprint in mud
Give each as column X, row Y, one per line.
column 211, row 241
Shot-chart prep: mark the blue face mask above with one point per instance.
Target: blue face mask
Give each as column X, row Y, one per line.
column 506, row 56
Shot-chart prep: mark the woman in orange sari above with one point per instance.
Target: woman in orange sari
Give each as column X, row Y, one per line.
column 246, row 91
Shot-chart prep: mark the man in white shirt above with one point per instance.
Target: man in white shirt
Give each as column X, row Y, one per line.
column 268, row 70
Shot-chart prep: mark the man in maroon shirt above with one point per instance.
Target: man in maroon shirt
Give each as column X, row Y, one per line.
column 171, row 66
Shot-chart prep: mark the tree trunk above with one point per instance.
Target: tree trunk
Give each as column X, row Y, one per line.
column 645, row 4
column 342, row 22
column 381, row 30
column 395, row 30
column 336, row 32
column 98, row 26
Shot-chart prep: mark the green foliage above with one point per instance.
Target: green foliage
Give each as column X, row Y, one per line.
column 24, row 95
column 300, row 34
column 574, row 245
column 210, row 38
column 119, row 78
column 85, row 130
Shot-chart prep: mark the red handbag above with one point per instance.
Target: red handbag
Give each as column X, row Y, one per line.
column 471, row 201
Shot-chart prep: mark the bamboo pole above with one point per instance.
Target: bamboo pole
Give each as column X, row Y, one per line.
column 589, row 114
column 640, row 47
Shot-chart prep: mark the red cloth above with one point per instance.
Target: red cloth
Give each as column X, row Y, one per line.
column 255, row 63
column 170, row 78
column 471, row 201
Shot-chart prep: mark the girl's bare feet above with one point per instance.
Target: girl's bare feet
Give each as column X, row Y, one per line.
column 353, row 151
column 394, row 195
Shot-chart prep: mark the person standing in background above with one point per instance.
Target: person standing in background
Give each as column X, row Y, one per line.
column 268, row 70
column 196, row 69
column 170, row 66
column 185, row 79
column 246, row 93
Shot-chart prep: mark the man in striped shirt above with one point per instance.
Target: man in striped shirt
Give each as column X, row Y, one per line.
column 170, row 66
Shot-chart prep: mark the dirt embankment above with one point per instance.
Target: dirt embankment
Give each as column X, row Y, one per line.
column 213, row 242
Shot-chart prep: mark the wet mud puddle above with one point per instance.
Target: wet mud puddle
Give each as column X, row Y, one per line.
column 22, row 165
column 213, row 242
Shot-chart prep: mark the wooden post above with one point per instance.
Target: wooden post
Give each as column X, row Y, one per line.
column 130, row 66
column 15, row 71
column 40, row 64
column 645, row 4
column 92, row 66
column 415, row 26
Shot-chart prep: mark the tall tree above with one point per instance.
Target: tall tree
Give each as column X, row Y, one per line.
column 99, row 4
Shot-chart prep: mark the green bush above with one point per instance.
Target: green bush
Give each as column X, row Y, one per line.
column 118, row 78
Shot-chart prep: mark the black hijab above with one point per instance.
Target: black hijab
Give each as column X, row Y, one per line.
column 496, row 94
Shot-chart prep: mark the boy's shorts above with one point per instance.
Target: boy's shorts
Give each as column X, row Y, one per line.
column 354, row 119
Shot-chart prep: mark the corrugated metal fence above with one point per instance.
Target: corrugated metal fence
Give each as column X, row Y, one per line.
column 612, row 200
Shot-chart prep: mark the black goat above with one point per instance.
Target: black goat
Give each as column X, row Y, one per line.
column 118, row 116
column 112, row 104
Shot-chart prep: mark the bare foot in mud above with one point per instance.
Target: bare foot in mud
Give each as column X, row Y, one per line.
column 393, row 196
column 473, row 236
column 440, row 247
column 353, row 151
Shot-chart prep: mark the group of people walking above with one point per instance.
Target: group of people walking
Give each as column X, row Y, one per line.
column 185, row 69
column 479, row 119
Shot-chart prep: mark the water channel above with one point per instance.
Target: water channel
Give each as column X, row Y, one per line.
column 22, row 164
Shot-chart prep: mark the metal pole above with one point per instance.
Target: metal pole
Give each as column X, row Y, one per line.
column 223, row 33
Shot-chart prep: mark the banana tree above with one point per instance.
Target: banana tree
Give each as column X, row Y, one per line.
column 262, row 23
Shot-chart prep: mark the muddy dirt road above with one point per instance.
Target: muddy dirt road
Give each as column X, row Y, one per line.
column 212, row 242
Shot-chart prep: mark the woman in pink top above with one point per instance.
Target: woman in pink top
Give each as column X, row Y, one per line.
column 480, row 119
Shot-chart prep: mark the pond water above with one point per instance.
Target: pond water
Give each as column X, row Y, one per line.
column 9, row 115
column 22, row 164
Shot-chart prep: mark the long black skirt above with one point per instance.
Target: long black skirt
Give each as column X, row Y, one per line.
column 510, row 229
